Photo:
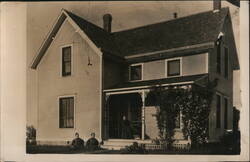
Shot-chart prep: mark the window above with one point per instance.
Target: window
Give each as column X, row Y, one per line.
column 66, row 112
column 226, row 62
column 225, row 112
column 66, row 61
column 135, row 72
column 173, row 67
column 218, row 111
column 218, row 59
column 178, row 120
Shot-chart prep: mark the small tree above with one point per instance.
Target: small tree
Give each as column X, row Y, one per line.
column 195, row 106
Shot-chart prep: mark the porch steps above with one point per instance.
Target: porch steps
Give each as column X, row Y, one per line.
column 117, row 144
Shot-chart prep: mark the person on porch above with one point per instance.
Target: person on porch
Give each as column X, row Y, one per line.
column 77, row 143
column 126, row 128
column 92, row 143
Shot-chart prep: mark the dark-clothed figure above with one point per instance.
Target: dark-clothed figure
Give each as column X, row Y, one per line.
column 126, row 130
column 77, row 143
column 92, row 143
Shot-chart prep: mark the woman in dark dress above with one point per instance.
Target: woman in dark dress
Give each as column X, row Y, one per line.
column 126, row 130
column 77, row 143
column 92, row 143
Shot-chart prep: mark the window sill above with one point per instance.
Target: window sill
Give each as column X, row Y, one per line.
column 174, row 76
column 135, row 80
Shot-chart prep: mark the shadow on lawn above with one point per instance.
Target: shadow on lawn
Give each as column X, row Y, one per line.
column 46, row 149
column 214, row 149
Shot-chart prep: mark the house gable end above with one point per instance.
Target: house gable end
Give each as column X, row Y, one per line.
column 52, row 34
column 233, row 54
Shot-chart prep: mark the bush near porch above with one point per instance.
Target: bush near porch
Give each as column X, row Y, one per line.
column 191, row 104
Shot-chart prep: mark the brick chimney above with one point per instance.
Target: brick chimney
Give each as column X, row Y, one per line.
column 107, row 20
column 217, row 5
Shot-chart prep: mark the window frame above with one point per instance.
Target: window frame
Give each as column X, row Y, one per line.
column 61, row 60
column 166, row 67
column 216, row 111
column 226, row 98
column 58, row 102
column 180, row 118
column 138, row 64
column 225, row 47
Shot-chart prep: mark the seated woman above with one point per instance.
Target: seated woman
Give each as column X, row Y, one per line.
column 126, row 128
column 92, row 143
column 77, row 143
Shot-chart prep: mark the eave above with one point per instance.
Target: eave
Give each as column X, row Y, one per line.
column 169, row 53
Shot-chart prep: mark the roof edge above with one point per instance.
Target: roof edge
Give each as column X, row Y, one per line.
column 48, row 40
column 135, row 28
column 207, row 44
column 110, row 90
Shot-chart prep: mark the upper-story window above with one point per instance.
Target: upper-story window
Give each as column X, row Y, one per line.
column 135, row 72
column 218, row 57
column 66, row 61
column 226, row 68
column 173, row 67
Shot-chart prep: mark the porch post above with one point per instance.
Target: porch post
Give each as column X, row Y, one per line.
column 143, row 97
column 106, row 116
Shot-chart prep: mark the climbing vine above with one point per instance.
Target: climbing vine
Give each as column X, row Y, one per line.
column 194, row 106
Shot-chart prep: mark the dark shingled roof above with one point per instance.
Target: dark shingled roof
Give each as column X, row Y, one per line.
column 195, row 29
column 159, row 81
column 190, row 30
column 99, row 36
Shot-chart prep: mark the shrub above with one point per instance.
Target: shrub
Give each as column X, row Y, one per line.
column 231, row 141
column 30, row 135
column 135, row 148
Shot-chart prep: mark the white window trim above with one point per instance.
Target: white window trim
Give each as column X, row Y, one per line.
column 166, row 66
column 72, row 57
column 207, row 62
column 58, row 103
column 130, row 72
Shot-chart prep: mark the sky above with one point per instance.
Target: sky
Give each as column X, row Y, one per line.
column 42, row 15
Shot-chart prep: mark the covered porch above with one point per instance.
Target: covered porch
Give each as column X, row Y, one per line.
column 126, row 116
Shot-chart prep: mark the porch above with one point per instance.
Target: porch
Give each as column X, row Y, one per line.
column 130, row 116
column 129, row 113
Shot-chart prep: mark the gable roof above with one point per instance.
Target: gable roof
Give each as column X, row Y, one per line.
column 99, row 36
column 198, row 29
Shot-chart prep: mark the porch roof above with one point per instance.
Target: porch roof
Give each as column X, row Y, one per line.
column 190, row 79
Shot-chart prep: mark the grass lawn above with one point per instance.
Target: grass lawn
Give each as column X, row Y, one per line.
column 215, row 150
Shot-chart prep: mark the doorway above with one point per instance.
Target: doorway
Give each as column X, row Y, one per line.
column 125, row 121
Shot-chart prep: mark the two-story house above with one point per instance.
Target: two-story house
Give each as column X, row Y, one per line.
column 91, row 79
